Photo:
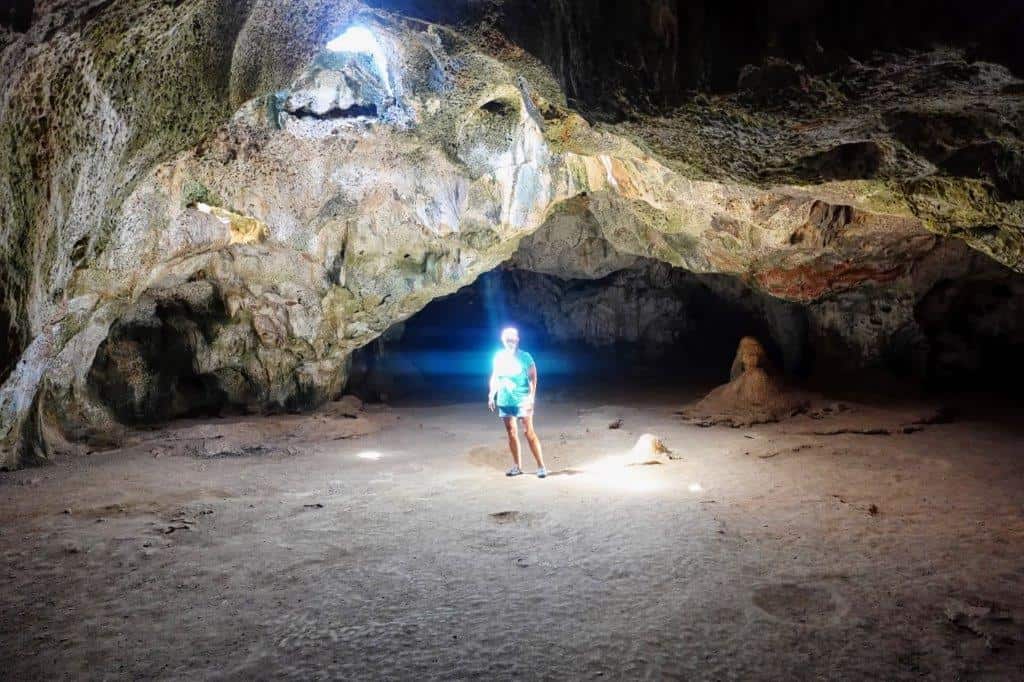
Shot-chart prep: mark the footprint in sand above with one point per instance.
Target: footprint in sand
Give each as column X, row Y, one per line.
column 799, row 604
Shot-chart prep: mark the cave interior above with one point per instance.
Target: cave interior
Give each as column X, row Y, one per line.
column 256, row 260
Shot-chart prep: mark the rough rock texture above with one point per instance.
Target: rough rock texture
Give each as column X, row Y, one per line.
column 755, row 393
column 613, row 57
column 658, row 311
column 875, row 322
column 948, row 327
column 929, row 135
column 651, row 324
column 205, row 168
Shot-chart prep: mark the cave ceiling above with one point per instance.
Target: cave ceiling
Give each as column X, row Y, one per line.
column 217, row 158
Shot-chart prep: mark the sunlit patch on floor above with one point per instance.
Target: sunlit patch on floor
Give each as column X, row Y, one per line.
column 618, row 473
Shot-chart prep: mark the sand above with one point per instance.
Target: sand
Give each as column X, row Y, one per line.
column 317, row 549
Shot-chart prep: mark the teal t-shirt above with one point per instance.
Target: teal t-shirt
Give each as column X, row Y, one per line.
column 512, row 372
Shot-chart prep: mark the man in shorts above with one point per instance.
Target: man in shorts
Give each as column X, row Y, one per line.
column 513, row 391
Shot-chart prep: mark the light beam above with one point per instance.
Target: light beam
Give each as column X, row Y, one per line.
column 361, row 40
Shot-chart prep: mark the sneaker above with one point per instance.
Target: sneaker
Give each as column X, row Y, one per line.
column 514, row 471
column 542, row 473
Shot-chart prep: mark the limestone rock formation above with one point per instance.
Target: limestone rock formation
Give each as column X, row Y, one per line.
column 755, row 394
column 207, row 175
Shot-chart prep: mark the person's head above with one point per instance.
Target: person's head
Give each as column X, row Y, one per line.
column 510, row 338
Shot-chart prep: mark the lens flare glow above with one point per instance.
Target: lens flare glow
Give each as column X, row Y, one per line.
column 696, row 488
column 355, row 39
column 370, row 454
column 614, row 471
column 361, row 40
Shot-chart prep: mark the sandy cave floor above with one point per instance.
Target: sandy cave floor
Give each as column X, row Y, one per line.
column 757, row 555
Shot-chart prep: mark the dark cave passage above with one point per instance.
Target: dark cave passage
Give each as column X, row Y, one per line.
column 336, row 113
column 9, row 346
column 974, row 331
column 17, row 14
column 13, row 341
column 655, row 326
column 146, row 370
column 652, row 326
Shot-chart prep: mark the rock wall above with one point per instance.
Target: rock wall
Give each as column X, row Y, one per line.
column 661, row 316
column 589, row 311
column 650, row 325
column 616, row 58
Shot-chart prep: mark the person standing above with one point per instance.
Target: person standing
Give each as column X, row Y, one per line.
column 513, row 392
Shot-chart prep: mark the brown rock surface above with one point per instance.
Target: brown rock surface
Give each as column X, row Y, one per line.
column 755, row 394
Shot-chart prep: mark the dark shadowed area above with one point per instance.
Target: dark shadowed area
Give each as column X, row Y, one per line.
column 617, row 333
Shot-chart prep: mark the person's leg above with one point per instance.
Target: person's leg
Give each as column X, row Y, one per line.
column 533, row 440
column 513, row 439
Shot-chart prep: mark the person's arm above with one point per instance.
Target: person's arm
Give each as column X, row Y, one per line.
column 532, row 375
column 492, row 391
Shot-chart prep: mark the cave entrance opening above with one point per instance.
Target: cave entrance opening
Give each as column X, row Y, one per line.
column 645, row 328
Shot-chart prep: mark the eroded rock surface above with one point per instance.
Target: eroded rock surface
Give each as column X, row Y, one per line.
column 755, row 394
column 265, row 206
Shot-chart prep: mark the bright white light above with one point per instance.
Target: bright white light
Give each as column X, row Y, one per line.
column 614, row 472
column 648, row 447
column 355, row 39
column 369, row 454
column 696, row 488
column 361, row 40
